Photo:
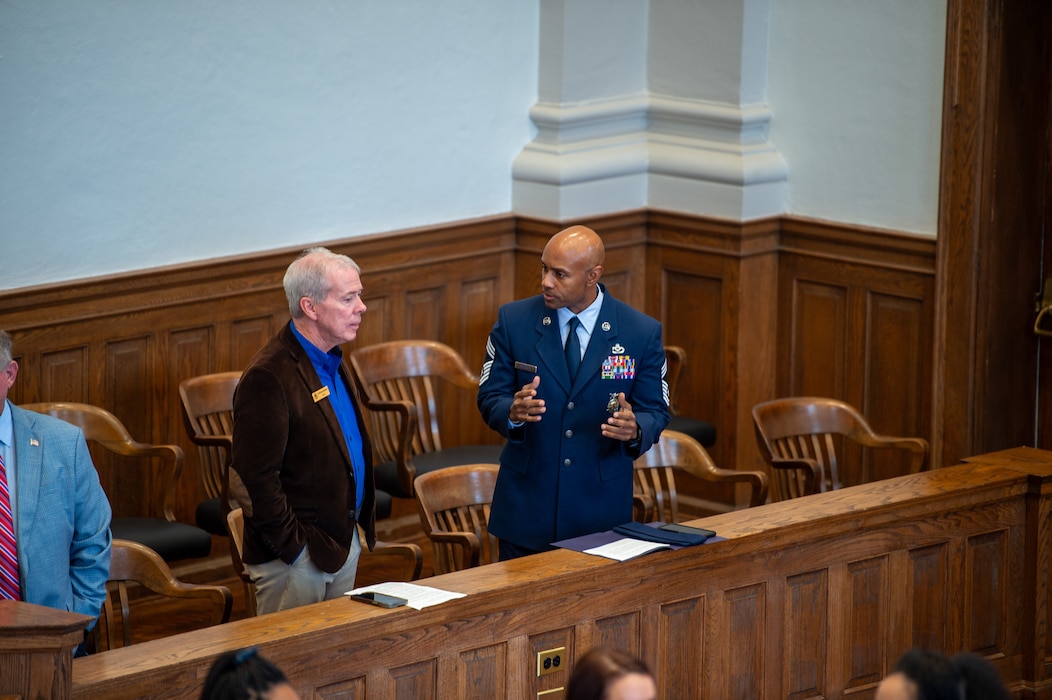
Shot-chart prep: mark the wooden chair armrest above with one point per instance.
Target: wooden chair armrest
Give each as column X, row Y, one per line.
column 224, row 441
column 168, row 454
column 406, row 413
column 414, row 557
column 468, row 541
column 918, row 446
column 757, row 481
column 221, row 597
column 642, row 507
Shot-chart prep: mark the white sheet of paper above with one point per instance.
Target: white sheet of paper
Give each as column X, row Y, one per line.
column 625, row 549
column 419, row 597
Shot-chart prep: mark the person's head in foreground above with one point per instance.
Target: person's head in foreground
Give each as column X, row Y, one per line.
column 610, row 674
column 922, row 674
column 245, row 675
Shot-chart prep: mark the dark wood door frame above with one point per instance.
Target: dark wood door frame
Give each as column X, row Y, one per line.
column 992, row 205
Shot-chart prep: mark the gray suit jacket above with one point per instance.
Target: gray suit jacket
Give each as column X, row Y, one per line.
column 63, row 535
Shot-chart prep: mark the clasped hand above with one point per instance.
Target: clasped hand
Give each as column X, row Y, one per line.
column 527, row 408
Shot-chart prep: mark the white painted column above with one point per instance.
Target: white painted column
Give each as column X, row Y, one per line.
column 656, row 105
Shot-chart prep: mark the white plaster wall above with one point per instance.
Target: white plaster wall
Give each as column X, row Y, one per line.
column 141, row 133
column 855, row 87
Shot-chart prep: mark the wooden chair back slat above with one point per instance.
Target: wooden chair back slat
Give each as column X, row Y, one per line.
column 806, row 442
column 454, row 506
column 655, row 479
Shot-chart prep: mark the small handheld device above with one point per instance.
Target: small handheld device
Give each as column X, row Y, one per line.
column 687, row 529
column 381, row 599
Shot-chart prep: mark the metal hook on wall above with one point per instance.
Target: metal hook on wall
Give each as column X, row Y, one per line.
column 1044, row 308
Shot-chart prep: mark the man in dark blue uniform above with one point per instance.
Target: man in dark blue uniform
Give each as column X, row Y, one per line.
column 575, row 380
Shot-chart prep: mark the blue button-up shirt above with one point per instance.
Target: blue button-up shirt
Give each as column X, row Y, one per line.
column 327, row 365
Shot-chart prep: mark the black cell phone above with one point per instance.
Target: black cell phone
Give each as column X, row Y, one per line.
column 687, row 529
column 381, row 599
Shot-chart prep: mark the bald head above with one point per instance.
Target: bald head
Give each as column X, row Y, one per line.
column 571, row 265
column 579, row 243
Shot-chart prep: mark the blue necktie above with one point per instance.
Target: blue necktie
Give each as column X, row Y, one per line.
column 573, row 348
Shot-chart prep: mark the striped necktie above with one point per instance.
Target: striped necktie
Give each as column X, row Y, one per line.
column 9, row 587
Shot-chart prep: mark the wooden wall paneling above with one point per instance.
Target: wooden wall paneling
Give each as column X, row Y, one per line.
column 754, row 350
column 482, row 673
column 448, row 282
column 124, row 341
column 930, row 611
column 477, row 305
column 415, row 680
column 63, row 374
column 1010, row 248
column 896, row 343
column 624, row 235
column 349, row 689
column 192, row 352
column 129, row 375
column 248, row 335
column 856, row 314
column 812, row 558
column 378, row 320
column 745, row 641
column 986, row 567
column 993, row 226
column 861, row 619
column 714, row 289
column 622, row 631
column 808, row 629
column 424, row 313
column 680, row 647
column 1037, row 636
column 815, row 336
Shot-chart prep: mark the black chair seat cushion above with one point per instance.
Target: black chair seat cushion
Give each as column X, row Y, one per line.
column 700, row 430
column 210, row 517
column 387, row 473
column 383, row 504
column 173, row 541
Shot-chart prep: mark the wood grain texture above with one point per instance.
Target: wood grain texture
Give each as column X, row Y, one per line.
column 762, row 308
column 814, row 597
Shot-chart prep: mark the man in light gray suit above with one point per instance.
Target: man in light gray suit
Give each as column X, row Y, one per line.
column 61, row 514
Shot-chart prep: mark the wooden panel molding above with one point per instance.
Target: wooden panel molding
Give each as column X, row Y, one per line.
column 787, row 575
column 124, row 342
column 763, row 308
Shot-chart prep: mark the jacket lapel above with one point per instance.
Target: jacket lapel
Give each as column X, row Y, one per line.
column 550, row 347
column 312, row 383
column 29, row 452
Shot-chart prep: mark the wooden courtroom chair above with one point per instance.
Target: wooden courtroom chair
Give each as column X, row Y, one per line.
column 399, row 383
column 208, row 416
column 804, row 440
column 655, row 490
column 132, row 562
column 702, row 431
column 412, row 556
column 454, row 511
column 171, row 539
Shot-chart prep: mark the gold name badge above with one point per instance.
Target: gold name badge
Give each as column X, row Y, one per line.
column 320, row 394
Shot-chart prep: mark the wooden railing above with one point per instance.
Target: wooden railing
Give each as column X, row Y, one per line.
column 815, row 597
